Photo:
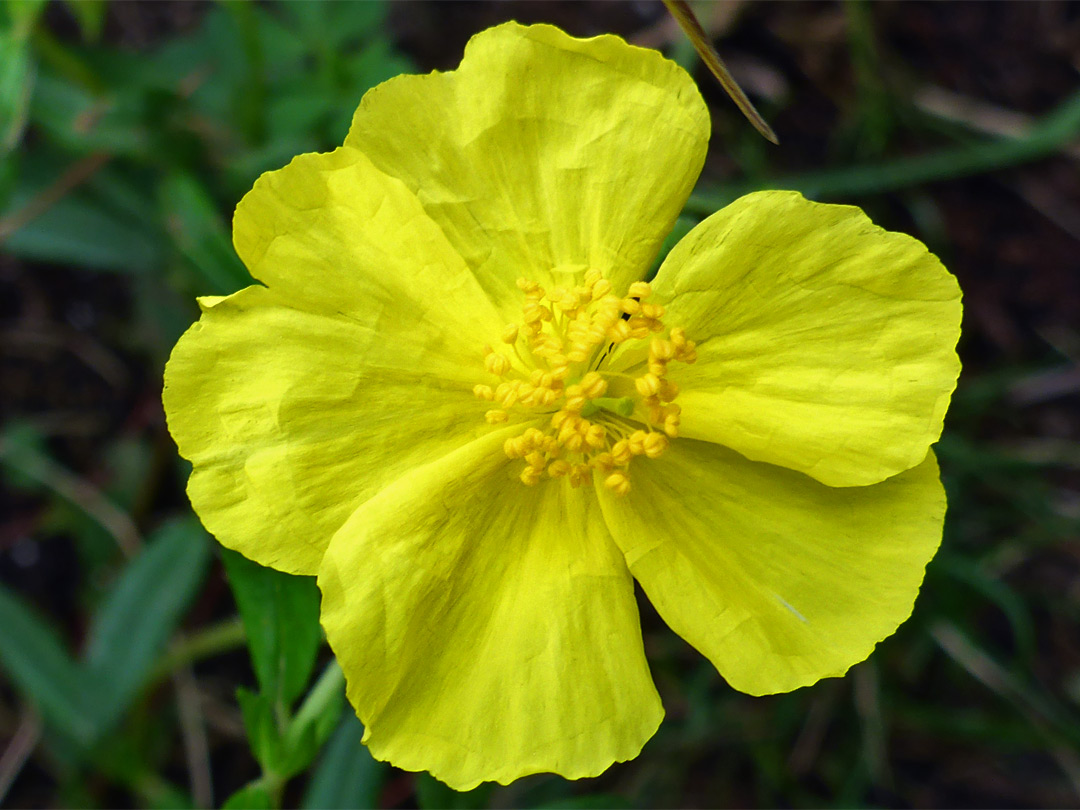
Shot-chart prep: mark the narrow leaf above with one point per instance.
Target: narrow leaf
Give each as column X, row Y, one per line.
column 347, row 775
column 35, row 660
column 281, row 617
column 142, row 612
column 315, row 720
column 262, row 730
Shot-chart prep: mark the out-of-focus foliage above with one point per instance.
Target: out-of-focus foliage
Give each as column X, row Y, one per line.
column 144, row 666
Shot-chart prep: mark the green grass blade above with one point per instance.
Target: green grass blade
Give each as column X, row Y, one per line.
column 1055, row 131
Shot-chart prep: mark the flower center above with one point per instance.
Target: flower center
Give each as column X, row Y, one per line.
column 553, row 365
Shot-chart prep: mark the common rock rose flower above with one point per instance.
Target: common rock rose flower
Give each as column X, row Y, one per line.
column 458, row 403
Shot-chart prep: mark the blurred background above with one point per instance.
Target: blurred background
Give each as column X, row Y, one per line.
column 129, row 130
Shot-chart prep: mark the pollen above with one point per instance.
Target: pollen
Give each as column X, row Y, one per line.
column 586, row 423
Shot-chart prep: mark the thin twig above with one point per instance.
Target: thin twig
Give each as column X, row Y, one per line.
column 684, row 16
column 193, row 734
column 22, row 745
column 78, row 173
column 220, row 638
column 78, row 491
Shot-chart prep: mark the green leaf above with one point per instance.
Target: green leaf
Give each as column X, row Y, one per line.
column 347, row 775
column 595, row 801
column 252, row 796
column 90, row 15
column 142, row 612
column 17, row 68
column 81, row 232
column 281, row 617
column 35, row 660
column 16, row 88
column 432, row 794
column 261, row 726
column 313, row 723
column 200, row 235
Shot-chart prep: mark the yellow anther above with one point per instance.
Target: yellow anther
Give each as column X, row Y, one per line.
column 533, row 437
column 618, row 482
column 668, row 390
column 596, row 436
column 639, row 327
column 530, row 476
column 496, row 364
column 558, row 468
column 671, row 426
column 621, row 453
column 655, row 445
column 506, row 395
column 662, row 350
column 579, row 474
column 647, row 385
column 573, row 442
column 567, row 335
column 619, row 331
column 593, row 385
column 604, row 462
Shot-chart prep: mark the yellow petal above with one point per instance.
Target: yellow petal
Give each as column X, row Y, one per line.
column 542, row 154
column 292, row 418
column 776, row 578
column 487, row 629
column 332, row 231
column 825, row 344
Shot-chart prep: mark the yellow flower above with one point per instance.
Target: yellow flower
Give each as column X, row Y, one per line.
column 457, row 403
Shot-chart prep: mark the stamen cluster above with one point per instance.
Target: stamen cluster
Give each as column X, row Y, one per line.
column 555, row 366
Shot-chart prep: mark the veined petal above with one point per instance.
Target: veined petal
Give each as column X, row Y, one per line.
column 331, row 231
column 543, row 155
column 487, row 630
column 294, row 418
column 776, row 578
column 825, row 344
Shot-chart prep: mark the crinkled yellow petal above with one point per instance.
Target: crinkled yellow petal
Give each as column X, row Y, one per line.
column 293, row 418
column 825, row 344
column 776, row 578
column 543, row 155
column 332, row 231
column 298, row 402
column 487, row 630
